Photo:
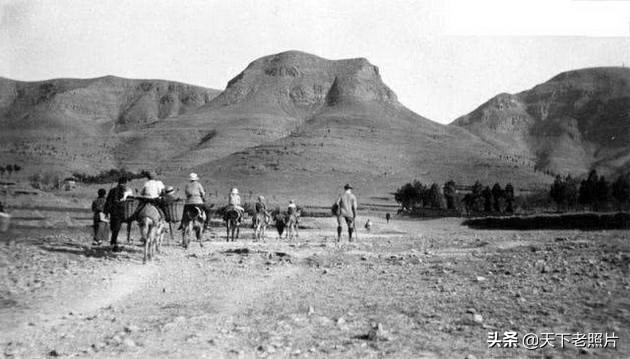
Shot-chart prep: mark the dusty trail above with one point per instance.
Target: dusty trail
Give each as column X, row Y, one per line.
column 313, row 297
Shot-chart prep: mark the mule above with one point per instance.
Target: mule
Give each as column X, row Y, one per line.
column 193, row 221
column 231, row 218
column 261, row 222
column 152, row 228
column 292, row 222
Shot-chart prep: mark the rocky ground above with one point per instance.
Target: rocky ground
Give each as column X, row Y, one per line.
column 408, row 289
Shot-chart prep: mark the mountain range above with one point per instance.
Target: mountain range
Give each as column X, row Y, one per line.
column 577, row 121
column 294, row 123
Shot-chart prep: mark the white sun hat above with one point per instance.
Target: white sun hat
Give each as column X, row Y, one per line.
column 235, row 190
column 193, row 177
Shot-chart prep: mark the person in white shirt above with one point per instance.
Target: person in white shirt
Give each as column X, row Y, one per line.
column 152, row 192
column 153, row 188
column 292, row 209
column 234, row 201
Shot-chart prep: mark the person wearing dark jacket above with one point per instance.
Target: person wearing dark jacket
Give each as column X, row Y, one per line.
column 114, row 208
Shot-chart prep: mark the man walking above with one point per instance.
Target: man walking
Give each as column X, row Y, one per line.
column 113, row 208
column 346, row 208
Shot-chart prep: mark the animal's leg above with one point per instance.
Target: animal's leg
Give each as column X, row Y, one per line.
column 144, row 232
column 187, row 234
column 199, row 233
column 129, row 231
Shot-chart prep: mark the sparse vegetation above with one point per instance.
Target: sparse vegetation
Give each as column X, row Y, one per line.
column 46, row 181
column 108, row 176
column 9, row 170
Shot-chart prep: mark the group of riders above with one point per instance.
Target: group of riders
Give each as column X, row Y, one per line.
column 109, row 209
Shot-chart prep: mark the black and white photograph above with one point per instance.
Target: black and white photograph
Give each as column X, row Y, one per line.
column 315, row 179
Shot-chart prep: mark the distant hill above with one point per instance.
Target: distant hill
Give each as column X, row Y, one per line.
column 576, row 121
column 294, row 122
column 290, row 124
column 76, row 123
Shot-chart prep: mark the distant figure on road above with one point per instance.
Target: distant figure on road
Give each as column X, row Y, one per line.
column 346, row 208
column 388, row 217
column 368, row 225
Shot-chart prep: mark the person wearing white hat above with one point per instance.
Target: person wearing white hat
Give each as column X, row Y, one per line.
column 292, row 209
column 195, row 196
column 234, row 201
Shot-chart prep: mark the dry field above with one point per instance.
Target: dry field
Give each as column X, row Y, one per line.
column 437, row 289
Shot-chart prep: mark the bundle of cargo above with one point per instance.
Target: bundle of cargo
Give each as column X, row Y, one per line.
column 5, row 219
column 129, row 207
column 174, row 211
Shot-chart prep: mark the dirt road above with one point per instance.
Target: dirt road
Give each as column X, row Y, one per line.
column 437, row 288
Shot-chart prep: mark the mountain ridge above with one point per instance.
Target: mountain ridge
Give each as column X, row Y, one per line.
column 576, row 121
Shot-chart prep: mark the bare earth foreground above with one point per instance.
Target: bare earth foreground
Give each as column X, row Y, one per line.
column 426, row 282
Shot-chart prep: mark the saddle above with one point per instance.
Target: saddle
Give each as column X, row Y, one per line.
column 195, row 212
column 149, row 210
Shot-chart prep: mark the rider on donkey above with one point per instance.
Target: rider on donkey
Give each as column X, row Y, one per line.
column 234, row 202
column 261, row 207
column 152, row 193
column 195, row 199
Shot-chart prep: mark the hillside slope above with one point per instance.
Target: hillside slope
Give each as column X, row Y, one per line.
column 289, row 124
column 76, row 123
column 338, row 122
column 576, row 121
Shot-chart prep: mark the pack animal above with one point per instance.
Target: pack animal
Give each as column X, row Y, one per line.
column 231, row 218
column 152, row 228
column 193, row 221
column 261, row 221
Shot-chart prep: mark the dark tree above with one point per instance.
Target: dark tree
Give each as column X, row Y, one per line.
column 2, row 169
column 9, row 169
column 487, row 199
column 434, row 197
column 571, row 191
column 509, row 198
column 588, row 190
column 558, row 192
column 497, row 196
column 602, row 193
column 477, row 197
column 421, row 193
column 621, row 191
column 449, row 194
column 406, row 196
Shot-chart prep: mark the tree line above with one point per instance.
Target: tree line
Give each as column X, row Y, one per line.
column 416, row 195
column 594, row 192
column 9, row 169
column 108, row 176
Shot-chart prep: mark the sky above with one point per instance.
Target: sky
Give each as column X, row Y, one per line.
column 442, row 58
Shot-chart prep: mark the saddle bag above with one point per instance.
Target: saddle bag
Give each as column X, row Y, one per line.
column 128, row 208
column 174, row 211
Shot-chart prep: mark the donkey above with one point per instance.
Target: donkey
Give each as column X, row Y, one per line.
column 193, row 220
column 152, row 228
column 231, row 218
column 292, row 221
column 261, row 222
